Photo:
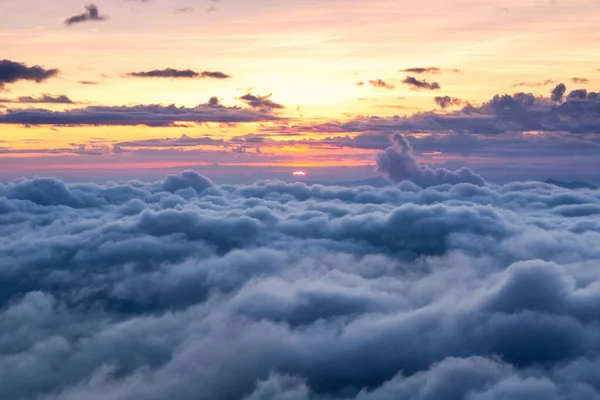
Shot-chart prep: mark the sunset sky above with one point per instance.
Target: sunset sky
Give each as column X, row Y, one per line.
column 245, row 89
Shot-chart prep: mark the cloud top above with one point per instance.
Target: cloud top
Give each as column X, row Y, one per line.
column 124, row 290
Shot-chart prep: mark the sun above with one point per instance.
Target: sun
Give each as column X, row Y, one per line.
column 299, row 173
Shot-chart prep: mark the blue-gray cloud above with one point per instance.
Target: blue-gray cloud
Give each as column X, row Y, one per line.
column 125, row 290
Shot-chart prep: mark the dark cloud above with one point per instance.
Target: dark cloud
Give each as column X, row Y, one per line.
column 421, row 84
column 381, row 84
column 360, row 83
column 88, row 83
column 261, row 102
column 91, row 14
column 184, row 10
column 399, row 163
column 447, row 101
column 11, row 71
column 149, row 115
column 294, row 291
column 43, row 99
column 177, row 73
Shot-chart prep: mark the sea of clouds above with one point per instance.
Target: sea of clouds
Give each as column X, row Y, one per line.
column 183, row 289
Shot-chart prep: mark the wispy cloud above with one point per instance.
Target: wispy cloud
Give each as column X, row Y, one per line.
column 534, row 84
column 580, row 80
column 380, row 83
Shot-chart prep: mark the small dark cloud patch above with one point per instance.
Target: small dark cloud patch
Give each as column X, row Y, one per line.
column 380, row 83
column 261, row 102
column 179, row 74
column 88, row 83
column 429, row 70
column 422, row 70
column 11, row 72
column 214, row 75
column 580, row 80
column 447, row 101
column 184, row 10
column 421, row 84
column 44, row 99
column 91, row 14
column 360, row 83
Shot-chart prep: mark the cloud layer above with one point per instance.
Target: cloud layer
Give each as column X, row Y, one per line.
column 184, row 289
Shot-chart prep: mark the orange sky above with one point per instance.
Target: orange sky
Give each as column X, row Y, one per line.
column 308, row 54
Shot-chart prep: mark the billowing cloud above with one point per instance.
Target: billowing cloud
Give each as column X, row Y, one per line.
column 149, row 115
column 11, row 71
column 295, row 291
column 558, row 92
column 91, row 14
column 177, row 73
column 399, row 163
column 420, row 84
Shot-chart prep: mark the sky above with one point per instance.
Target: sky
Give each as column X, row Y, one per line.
column 243, row 89
column 299, row 200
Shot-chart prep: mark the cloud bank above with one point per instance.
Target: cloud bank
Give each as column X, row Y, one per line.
column 155, row 115
column 184, row 289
